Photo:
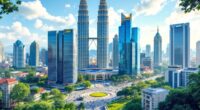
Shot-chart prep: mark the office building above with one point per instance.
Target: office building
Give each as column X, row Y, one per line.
column 19, row 57
column 151, row 97
column 148, row 50
column 198, row 53
column 102, row 35
column 34, row 54
column 83, row 35
column 186, row 74
column 147, row 63
column 115, row 52
column 62, row 57
column 44, row 57
column 1, row 52
column 180, row 44
column 157, row 49
column 128, row 46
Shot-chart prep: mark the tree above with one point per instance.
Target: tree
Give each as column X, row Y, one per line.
column 69, row 88
column 55, row 92
column 81, row 106
column 87, row 84
column 41, row 106
column 45, row 96
column 80, row 78
column 20, row 92
column 8, row 6
column 190, row 5
column 70, row 106
column 59, row 104
column 1, row 94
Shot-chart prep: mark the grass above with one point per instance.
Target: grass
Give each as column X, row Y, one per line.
column 98, row 94
column 118, row 104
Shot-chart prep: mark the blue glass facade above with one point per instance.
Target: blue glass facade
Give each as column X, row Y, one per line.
column 157, row 50
column 128, row 47
column 62, row 61
column 180, row 44
column 34, row 54
column 19, row 55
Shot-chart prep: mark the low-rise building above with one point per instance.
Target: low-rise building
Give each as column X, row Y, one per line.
column 151, row 97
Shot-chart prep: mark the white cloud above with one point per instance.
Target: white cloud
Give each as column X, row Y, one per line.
column 35, row 10
column 149, row 7
column 67, row 6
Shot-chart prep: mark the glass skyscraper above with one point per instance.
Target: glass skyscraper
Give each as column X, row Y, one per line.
column 102, row 35
column 34, row 54
column 83, row 35
column 1, row 52
column 180, row 44
column 128, row 46
column 148, row 50
column 19, row 54
column 157, row 49
column 62, row 57
column 115, row 53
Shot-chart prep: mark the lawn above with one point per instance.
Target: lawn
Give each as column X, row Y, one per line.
column 98, row 94
column 118, row 104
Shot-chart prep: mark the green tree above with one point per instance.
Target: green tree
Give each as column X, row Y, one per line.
column 1, row 94
column 69, row 88
column 87, row 84
column 70, row 106
column 190, row 5
column 81, row 106
column 20, row 92
column 59, row 104
column 45, row 96
column 41, row 106
column 80, row 78
column 35, row 90
column 55, row 92
column 8, row 6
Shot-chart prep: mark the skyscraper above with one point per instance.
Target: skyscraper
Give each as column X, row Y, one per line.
column 62, row 57
column 198, row 54
column 148, row 50
column 19, row 54
column 115, row 52
column 83, row 35
column 1, row 52
column 157, row 49
column 128, row 46
column 44, row 57
column 180, row 44
column 102, row 35
column 34, row 54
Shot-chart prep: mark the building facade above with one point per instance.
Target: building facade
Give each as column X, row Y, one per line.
column 19, row 56
column 151, row 97
column 148, row 50
column 198, row 53
column 34, row 54
column 102, row 35
column 115, row 52
column 157, row 49
column 44, row 57
column 83, row 35
column 62, row 57
column 1, row 52
column 180, row 44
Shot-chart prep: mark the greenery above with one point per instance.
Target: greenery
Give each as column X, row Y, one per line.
column 184, row 98
column 8, row 6
column 81, row 106
column 98, row 94
column 69, row 88
column 20, row 92
column 120, row 78
column 118, row 104
column 190, row 5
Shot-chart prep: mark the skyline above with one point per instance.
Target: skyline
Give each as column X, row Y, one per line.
column 29, row 25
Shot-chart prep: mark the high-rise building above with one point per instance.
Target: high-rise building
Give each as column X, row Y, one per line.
column 102, row 35
column 148, row 50
column 157, row 49
column 198, row 54
column 83, row 35
column 136, row 39
column 180, row 44
column 151, row 97
column 128, row 46
column 34, row 54
column 1, row 52
column 44, row 57
column 19, row 56
column 115, row 52
column 62, row 57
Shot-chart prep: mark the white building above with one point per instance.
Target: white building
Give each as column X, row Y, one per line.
column 198, row 54
column 186, row 73
column 151, row 97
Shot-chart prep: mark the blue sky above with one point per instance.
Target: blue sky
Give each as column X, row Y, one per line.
column 36, row 17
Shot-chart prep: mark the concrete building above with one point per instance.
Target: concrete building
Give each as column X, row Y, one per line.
column 151, row 97
column 147, row 63
column 115, row 52
column 180, row 44
column 148, row 50
column 83, row 35
column 186, row 73
column 62, row 57
column 157, row 50
column 198, row 53
column 1, row 52
column 102, row 35
column 19, row 56
column 34, row 54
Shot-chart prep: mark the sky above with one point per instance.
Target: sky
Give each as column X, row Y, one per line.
column 36, row 17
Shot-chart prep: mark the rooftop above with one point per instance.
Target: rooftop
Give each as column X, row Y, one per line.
column 155, row 90
column 8, row 81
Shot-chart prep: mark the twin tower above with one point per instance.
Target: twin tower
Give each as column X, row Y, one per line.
column 102, row 35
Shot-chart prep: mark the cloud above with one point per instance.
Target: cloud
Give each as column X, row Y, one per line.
column 9, row 34
column 35, row 10
column 67, row 6
column 149, row 7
